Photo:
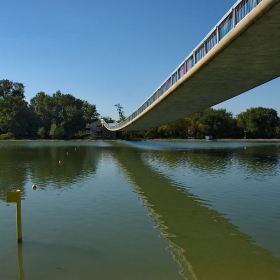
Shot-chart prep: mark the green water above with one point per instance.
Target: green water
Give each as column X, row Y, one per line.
column 141, row 210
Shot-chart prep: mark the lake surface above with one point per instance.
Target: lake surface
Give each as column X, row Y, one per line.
column 141, row 210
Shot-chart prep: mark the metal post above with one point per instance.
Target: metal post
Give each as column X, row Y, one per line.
column 19, row 229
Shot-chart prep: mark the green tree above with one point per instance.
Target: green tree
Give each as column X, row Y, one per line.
column 14, row 113
column 218, row 122
column 90, row 112
column 195, row 128
column 176, row 129
column 42, row 105
column 70, row 114
column 59, row 131
column 259, row 122
column 120, row 112
column 41, row 132
column 52, row 130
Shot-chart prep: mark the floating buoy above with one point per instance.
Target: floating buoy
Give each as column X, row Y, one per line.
column 59, row 161
column 34, row 187
column 232, row 159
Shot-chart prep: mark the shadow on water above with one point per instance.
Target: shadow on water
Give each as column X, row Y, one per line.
column 206, row 245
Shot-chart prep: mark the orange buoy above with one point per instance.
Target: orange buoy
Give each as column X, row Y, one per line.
column 34, row 187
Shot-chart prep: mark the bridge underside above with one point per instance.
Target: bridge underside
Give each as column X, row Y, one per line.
column 244, row 59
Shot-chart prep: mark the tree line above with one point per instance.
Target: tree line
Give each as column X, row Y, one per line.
column 60, row 116
column 254, row 123
column 63, row 116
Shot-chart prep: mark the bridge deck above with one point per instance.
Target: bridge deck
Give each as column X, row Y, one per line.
column 248, row 56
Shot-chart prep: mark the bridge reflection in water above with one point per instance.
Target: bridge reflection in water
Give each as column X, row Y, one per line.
column 205, row 244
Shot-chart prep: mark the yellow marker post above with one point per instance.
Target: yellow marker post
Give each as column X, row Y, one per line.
column 16, row 198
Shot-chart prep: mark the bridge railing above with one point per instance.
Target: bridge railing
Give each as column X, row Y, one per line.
column 240, row 9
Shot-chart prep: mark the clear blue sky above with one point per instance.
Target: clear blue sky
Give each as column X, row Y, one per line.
column 109, row 51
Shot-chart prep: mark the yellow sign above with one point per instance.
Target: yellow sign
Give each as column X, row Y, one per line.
column 13, row 197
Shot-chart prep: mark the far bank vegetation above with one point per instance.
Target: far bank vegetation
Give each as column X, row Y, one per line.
column 63, row 116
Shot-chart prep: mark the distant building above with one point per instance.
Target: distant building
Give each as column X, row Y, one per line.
column 97, row 130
